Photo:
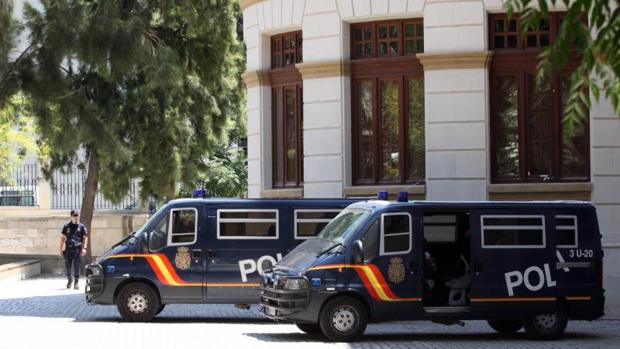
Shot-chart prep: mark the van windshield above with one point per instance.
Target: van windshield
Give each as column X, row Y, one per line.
column 344, row 225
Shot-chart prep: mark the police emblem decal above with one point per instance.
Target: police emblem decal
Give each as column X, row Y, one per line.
column 396, row 270
column 182, row 260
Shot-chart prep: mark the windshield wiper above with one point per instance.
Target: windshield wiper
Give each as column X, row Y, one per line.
column 330, row 248
column 122, row 242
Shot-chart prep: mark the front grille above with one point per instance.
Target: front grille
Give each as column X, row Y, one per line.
column 94, row 284
column 277, row 303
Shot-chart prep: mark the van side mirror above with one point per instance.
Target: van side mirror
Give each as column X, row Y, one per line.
column 357, row 252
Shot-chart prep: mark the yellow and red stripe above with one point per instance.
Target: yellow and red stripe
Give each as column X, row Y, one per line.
column 373, row 281
column 167, row 276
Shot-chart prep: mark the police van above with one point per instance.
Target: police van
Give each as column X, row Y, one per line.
column 203, row 251
column 531, row 265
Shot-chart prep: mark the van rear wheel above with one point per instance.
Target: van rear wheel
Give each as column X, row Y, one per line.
column 309, row 328
column 548, row 325
column 506, row 326
column 343, row 319
column 138, row 302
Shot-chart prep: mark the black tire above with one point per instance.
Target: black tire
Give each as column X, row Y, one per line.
column 506, row 326
column 137, row 302
column 343, row 319
column 161, row 308
column 547, row 326
column 309, row 328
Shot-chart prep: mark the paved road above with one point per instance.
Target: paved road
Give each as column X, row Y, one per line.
column 40, row 313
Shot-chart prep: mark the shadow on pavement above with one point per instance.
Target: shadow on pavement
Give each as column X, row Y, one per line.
column 73, row 306
column 423, row 338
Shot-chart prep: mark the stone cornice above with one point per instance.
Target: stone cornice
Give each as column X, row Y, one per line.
column 456, row 60
column 314, row 70
column 256, row 78
column 247, row 3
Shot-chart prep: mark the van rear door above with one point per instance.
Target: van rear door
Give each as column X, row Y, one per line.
column 513, row 260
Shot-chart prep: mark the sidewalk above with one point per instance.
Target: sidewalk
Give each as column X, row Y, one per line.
column 41, row 313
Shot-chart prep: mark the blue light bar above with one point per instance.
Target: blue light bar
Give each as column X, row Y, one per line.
column 199, row 193
column 382, row 195
column 402, row 196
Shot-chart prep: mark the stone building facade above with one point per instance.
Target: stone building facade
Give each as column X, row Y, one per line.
column 434, row 97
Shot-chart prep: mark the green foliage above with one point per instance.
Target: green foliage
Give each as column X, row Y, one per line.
column 224, row 174
column 150, row 86
column 592, row 28
column 16, row 136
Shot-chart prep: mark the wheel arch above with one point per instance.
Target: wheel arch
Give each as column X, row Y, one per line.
column 136, row 280
column 351, row 294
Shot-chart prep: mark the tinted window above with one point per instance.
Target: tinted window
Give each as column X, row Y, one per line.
column 396, row 233
column 247, row 224
column 158, row 236
column 309, row 223
column 513, row 231
column 566, row 231
column 370, row 241
column 440, row 227
column 183, row 226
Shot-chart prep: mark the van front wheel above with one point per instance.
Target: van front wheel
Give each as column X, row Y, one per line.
column 506, row 326
column 343, row 319
column 547, row 326
column 137, row 302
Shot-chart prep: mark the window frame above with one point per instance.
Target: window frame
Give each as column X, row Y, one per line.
column 382, row 234
column 298, row 180
column 170, row 227
column 521, row 62
column 297, row 220
column 282, row 52
column 575, row 228
column 220, row 220
column 285, row 78
column 518, row 227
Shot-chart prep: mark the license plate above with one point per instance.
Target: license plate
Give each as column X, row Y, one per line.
column 270, row 311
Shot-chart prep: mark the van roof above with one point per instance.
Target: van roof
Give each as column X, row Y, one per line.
column 479, row 204
column 258, row 202
column 418, row 203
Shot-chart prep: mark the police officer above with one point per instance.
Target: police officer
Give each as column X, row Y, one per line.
column 73, row 244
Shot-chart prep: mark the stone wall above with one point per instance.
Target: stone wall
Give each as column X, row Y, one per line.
column 40, row 234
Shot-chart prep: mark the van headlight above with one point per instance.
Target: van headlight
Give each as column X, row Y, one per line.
column 295, row 284
column 95, row 270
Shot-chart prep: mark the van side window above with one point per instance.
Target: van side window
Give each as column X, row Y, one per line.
column 440, row 227
column 395, row 233
column 247, row 224
column 184, row 226
column 310, row 222
column 513, row 231
column 158, row 236
column 370, row 241
column 566, row 231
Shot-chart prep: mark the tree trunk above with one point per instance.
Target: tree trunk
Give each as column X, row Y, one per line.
column 88, row 201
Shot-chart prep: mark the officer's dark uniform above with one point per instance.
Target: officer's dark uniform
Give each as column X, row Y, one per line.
column 74, row 234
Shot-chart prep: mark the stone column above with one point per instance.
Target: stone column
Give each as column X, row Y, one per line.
column 455, row 61
column 326, row 87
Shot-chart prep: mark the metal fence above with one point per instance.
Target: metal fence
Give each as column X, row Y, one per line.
column 68, row 189
column 21, row 189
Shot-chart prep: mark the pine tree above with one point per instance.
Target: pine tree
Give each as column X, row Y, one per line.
column 144, row 89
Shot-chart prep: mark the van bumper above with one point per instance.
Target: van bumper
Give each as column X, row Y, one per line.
column 99, row 289
column 588, row 310
column 278, row 305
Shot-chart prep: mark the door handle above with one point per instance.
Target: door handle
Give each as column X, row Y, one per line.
column 197, row 253
column 477, row 267
column 211, row 253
